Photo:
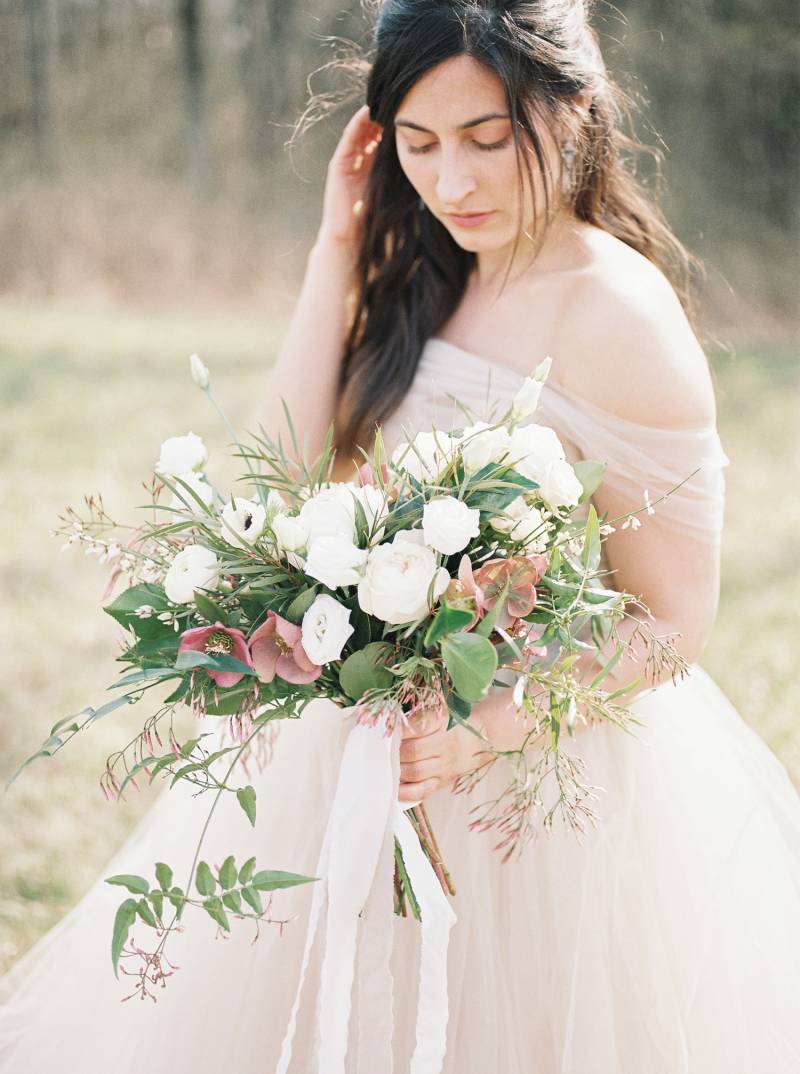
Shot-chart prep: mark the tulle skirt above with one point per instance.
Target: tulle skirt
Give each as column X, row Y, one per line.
column 666, row 942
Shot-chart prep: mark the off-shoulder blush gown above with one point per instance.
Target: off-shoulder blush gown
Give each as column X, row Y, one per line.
column 668, row 942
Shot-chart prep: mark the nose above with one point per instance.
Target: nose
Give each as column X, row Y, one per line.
column 454, row 182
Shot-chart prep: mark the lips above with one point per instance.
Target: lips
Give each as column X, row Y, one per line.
column 470, row 219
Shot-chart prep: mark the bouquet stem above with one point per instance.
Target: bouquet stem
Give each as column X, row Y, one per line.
column 422, row 825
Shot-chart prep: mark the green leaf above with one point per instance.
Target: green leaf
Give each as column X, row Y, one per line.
column 471, row 662
column 458, row 706
column 125, row 917
column 365, row 670
column 208, row 608
column 137, row 884
column 446, row 621
column 176, row 897
column 204, row 879
column 157, row 899
column 590, row 473
column 271, row 880
column 252, row 898
column 489, row 621
column 123, row 609
column 246, row 871
column 145, row 913
column 300, row 605
column 590, row 556
column 227, row 874
column 233, row 900
column 190, row 659
column 246, row 797
column 214, row 909
column 163, row 876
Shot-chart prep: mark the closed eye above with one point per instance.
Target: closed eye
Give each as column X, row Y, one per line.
column 479, row 145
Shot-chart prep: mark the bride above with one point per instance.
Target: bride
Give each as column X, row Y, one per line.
column 478, row 215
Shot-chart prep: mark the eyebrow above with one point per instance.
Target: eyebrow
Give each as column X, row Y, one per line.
column 460, row 127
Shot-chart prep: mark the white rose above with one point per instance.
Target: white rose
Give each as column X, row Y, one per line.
column 243, row 520
column 426, row 456
column 330, row 512
column 335, row 561
column 482, row 444
column 185, row 501
column 525, row 524
column 326, row 627
column 193, row 568
column 397, row 578
column 532, row 448
column 180, row 454
column 559, row 485
column 526, row 399
column 199, row 371
column 448, row 524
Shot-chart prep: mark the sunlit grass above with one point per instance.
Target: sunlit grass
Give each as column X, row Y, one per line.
column 87, row 399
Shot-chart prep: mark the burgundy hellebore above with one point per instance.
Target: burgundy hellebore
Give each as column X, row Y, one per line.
column 218, row 640
column 277, row 649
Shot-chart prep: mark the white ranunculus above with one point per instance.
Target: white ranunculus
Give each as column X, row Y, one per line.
column 325, row 628
column 426, row 456
column 559, row 485
column 532, row 448
column 185, row 502
column 242, row 521
column 179, row 454
column 335, row 561
column 482, row 444
column 199, row 371
column 448, row 524
column 526, row 399
column 331, row 511
column 397, row 578
column 194, row 567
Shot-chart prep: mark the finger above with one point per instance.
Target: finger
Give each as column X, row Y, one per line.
column 420, row 747
column 413, row 792
column 426, row 722
column 416, row 771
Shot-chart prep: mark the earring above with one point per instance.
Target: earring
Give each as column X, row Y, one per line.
column 568, row 154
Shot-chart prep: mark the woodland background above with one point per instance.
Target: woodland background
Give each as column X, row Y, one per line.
column 150, row 209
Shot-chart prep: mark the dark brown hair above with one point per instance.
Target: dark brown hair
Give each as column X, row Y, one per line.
column 411, row 273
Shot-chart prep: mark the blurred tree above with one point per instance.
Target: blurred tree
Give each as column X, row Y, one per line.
column 41, row 54
column 197, row 156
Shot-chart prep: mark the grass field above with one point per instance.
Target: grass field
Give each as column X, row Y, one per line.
column 86, row 402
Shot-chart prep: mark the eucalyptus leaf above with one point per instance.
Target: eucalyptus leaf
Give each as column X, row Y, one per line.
column 365, row 670
column 471, row 661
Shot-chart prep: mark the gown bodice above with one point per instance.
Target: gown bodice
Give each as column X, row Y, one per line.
column 640, row 459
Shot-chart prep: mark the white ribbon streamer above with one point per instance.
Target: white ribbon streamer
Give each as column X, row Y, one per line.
column 355, row 871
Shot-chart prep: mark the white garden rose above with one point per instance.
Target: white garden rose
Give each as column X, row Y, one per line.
column 179, row 454
column 481, row 444
column 330, row 511
column 426, row 456
column 325, row 628
column 194, row 567
column 448, row 524
column 185, row 501
column 397, row 578
column 532, row 448
column 242, row 521
column 335, row 561
column 559, row 485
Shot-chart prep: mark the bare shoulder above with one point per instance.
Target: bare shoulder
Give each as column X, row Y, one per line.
column 626, row 343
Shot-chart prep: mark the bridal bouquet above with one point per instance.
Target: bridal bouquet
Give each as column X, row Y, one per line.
column 461, row 560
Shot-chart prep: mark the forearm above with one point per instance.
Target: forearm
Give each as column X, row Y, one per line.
column 307, row 369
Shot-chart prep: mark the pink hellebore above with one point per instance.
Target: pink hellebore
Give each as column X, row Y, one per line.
column 277, row 649
column 218, row 640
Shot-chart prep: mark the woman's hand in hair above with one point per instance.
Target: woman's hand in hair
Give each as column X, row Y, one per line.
column 346, row 183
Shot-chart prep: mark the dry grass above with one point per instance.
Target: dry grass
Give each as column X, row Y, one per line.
column 87, row 399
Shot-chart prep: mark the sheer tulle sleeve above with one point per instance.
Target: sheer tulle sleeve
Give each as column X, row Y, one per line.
column 646, row 459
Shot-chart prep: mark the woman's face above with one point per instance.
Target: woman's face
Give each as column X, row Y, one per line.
column 460, row 166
